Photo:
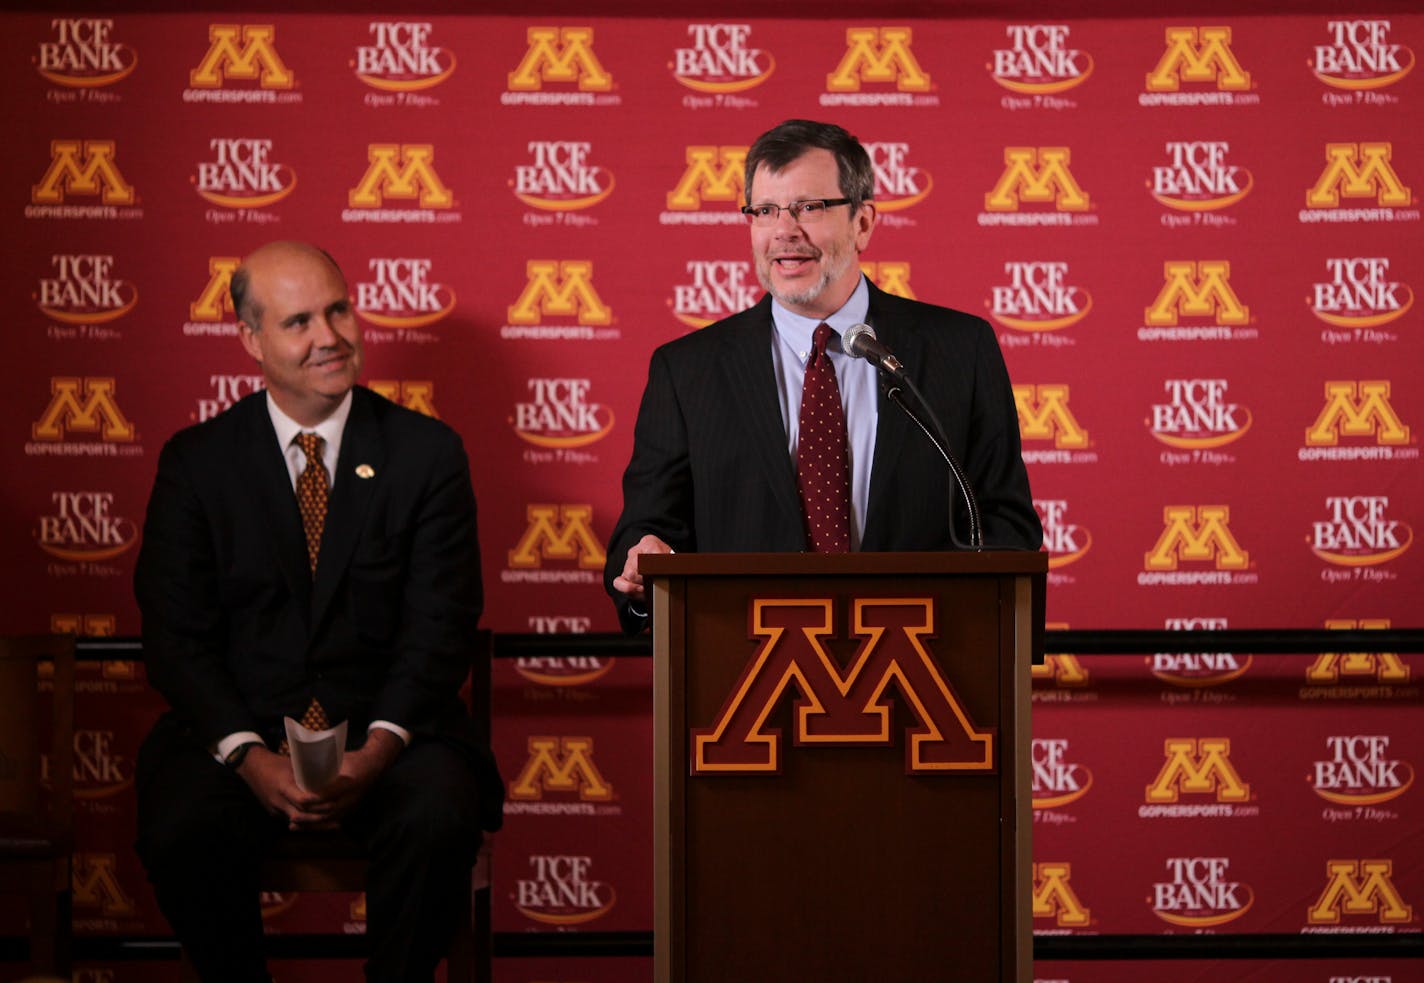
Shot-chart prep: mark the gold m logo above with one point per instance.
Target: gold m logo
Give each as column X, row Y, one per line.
column 1044, row 415
column 254, row 57
column 1053, row 896
column 1198, row 55
column 1356, row 409
column 1357, row 170
column 891, row 277
column 1197, row 290
column 88, row 625
column 1198, row 768
column 1198, row 533
column 1039, row 175
column 216, row 298
column 878, row 55
column 400, row 171
column 559, row 289
column 560, row 55
column 90, row 173
column 96, row 884
column 714, row 173
column 418, row 396
column 560, row 764
column 1359, row 887
column 558, row 532
column 1061, row 670
column 97, row 409
column 850, row 707
column 1384, row 667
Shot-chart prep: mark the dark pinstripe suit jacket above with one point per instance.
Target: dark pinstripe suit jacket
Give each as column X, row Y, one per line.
column 710, row 470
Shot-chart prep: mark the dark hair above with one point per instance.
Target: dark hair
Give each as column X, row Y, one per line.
column 779, row 146
column 247, row 310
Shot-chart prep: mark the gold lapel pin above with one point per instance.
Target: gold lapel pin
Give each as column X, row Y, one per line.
column 365, row 471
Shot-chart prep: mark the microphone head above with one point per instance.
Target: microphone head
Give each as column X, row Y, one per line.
column 854, row 339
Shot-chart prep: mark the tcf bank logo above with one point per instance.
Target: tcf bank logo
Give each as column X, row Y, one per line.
column 720, row 66
column 1199, row 291
column 713, row 174
column 83, row 169
column 242, row 176
column 891, row 276
column 1200, row 57
column 562, row 57
column 225, row 390
column 1038, row 177
column 100, row 771
column 1360, row 60
column 843, row 707
column 1358, row 408
column 1057, row 781
column 1359, row 770
column 1364, row 172
column 245, row 53
column 715, row 288
column 560, row 179
column 1360, row 298
column 1199, row 535
column 561, row 892
column 83, row 57
column 401, row 61
column 559, row 421
column 1196, row 421
column 1039, row 65
column 1054, row 897
column 401, row 295
column 1358, row 890
column 1200, row 894
column 1358, row 534
column 898, row 184
column 1199, row 767
column 1066, row 542
column 879, row 56
column 83, row 408
column 1037, row 301
column 1044, row 416
column 211, row 314
column 564, row 768
column 403, row 172
column 1198, row 180
column 562, row 671
column 563, row 534
column 83, row 295
column 84, row 529
column 1195, row 671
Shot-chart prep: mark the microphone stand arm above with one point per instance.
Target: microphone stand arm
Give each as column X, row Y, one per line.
column 936, row 435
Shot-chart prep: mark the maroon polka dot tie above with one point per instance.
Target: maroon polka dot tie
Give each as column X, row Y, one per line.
column 312, row 486
column 822, row 464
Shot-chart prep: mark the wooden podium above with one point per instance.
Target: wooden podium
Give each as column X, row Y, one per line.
column 841, row 762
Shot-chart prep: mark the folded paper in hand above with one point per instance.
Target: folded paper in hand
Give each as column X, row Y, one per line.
column 316, row 754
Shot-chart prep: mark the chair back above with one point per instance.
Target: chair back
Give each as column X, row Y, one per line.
column 32, row 755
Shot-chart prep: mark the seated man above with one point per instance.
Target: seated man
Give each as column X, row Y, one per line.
column 312, row 552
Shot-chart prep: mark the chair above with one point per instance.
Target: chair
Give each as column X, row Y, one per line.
column 332, row 861
column 37, row 836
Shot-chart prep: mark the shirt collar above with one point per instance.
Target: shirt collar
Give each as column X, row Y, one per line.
column 330, row 429
column 795, row 330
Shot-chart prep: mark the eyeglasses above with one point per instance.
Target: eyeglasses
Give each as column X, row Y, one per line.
column 804, row 212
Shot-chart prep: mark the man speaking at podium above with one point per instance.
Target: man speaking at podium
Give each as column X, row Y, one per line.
column 310, row 553
column 760, row 433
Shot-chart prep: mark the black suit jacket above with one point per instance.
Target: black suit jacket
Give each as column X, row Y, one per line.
column 238, row 633
column 710, row 470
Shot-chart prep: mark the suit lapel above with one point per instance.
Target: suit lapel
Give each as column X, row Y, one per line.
column 751, row 381
column 361, row 444
column 264, row 462
column 892, row 427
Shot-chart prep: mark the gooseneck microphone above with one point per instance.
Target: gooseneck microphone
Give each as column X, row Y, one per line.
column 859, row 341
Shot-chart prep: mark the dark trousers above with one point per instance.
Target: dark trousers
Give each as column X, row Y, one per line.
column 202, row 834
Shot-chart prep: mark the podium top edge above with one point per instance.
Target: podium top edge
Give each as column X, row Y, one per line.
column 989, row 562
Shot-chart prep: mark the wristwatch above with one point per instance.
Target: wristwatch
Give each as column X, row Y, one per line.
column 237, row 755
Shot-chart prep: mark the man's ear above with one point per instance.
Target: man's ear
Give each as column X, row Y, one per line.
column 248, row 335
